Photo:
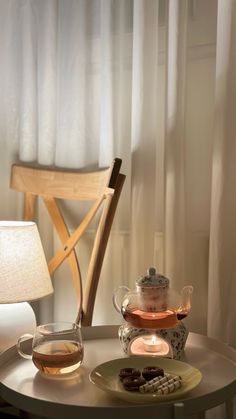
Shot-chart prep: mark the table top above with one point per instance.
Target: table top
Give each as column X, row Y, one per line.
column 24, row 387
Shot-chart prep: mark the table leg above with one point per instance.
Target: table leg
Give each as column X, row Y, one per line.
column 229, row 408
column 26, row 415
column 23, row 415
column 179, row 411
column 201, row 415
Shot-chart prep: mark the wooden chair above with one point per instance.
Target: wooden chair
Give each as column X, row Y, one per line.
column 102, row 188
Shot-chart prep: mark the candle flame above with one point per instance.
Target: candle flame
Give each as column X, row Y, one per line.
column 154, row 339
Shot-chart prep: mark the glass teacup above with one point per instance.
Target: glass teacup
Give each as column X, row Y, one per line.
column 57, row 348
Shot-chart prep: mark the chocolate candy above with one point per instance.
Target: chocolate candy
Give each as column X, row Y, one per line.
column 132, row 383
column 150, row 379
column 127, row 372
column 151, row 372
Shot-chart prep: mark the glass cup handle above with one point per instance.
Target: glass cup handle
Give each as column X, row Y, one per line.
column 20, row 340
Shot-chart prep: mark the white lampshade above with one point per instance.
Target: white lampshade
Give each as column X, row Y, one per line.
column 24, row 274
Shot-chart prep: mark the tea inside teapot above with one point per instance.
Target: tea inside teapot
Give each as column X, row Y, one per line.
column 153, row 305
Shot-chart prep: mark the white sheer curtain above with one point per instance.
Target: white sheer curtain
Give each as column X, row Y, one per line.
column 222, row 265
column 153, row 82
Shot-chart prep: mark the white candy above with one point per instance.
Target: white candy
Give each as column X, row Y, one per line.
column 165, row 384
column 167, row 388
column 154, row 383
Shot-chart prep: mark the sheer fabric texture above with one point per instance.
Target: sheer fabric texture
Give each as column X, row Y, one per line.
column 152, row 82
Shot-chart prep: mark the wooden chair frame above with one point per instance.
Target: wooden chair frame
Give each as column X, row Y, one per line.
column 103, row 188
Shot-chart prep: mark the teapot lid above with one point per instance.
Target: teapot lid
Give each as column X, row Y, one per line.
column 153, row 279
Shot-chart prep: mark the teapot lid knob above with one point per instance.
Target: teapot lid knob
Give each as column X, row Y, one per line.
column 151, row 271
column 153, row 279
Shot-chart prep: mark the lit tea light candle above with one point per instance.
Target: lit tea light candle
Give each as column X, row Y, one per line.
column 152, row 344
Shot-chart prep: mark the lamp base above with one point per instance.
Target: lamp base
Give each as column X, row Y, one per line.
column 15, row 320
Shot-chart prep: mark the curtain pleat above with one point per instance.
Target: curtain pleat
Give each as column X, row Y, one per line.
column 47, row 22
column 106, row 145
column 72, row 112
column 174, row 170
column 27, row 82
column 143, row 135
column 222, row 268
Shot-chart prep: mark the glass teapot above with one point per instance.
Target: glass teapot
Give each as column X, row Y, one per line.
column 153, row 305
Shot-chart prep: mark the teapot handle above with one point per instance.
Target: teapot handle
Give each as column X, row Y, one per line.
column 186, row 298
column 117, row 293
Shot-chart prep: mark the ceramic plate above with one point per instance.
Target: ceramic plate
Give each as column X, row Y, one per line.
column 105, row 376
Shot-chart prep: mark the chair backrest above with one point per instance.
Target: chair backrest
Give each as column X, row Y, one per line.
column 102, row 189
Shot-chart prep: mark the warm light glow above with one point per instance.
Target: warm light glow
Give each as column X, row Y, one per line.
column 151, row 345
column 24, row 274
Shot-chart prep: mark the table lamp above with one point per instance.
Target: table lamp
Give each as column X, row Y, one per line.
column 24, row 277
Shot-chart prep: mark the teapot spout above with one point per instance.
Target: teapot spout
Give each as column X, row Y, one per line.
column 185, row 305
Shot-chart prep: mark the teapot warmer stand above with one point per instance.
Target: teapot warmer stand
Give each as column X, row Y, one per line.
column 171, row 341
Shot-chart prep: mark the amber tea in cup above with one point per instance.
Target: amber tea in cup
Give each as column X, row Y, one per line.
column 57, row 348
